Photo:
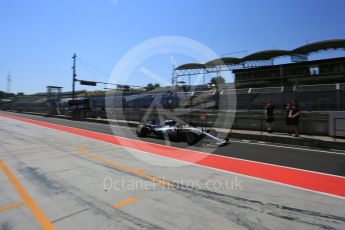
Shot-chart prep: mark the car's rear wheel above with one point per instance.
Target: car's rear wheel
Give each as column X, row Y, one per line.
column 191, row 138
column 173, row 136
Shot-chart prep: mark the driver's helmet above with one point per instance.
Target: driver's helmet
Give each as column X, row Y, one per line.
column 170, row 122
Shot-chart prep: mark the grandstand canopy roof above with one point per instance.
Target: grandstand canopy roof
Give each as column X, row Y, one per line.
column 267, row 55
column 190, row 66
column 321, row 45
column 223, row 61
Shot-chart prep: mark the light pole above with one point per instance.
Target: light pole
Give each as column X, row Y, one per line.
column 74, row 76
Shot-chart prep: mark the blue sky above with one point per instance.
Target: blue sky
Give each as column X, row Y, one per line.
column 39, row 37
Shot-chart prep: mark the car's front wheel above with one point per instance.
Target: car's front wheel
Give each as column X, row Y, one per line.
column 142, row 131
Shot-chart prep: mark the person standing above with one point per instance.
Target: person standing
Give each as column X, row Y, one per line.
column 287, row 110
column 294, row 116
column 269, row 108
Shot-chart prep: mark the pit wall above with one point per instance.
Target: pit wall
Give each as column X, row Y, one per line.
column 312, row 123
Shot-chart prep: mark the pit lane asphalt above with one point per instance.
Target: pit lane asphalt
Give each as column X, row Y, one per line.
column 307, row 159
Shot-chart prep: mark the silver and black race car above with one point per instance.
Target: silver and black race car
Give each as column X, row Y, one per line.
column 177, row 132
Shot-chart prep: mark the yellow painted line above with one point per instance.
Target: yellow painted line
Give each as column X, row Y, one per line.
column 10, row 206
column 80, row 148
column 140, row 173
column 35, row 210
column 125, row 202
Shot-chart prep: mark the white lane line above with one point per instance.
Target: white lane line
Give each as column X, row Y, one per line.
column 263, row 143
column 288, row 147
column 83, row 122
column 337, row 150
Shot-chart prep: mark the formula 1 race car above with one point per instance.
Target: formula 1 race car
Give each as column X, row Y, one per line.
column 177, row 132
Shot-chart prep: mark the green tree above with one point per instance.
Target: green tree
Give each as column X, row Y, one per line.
column 5, row 95
column 151, row 86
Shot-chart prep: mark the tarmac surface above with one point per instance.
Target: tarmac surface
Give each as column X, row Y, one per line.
column 307, row 158
column 51, row 179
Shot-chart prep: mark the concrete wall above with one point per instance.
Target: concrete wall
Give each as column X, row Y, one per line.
column 337, row 123
column 315, row 123
column 310, row 122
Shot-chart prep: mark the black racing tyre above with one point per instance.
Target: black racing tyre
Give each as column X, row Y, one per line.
column 142, row 131
column 173, row 136
column 191, row 138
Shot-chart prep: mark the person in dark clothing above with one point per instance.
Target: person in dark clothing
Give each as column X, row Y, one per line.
column 296, row 103
column 269, row 115
column 287, row 110
column 294, row 116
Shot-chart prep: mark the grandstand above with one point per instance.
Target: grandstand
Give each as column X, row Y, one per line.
column 258, row 69
column 304, row 73
column 318, row 85
column 319, row 97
